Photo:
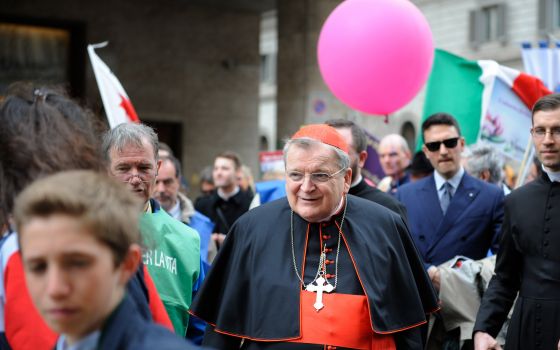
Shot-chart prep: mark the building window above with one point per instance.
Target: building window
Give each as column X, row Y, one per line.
column 549, row 17
column 409, row 133
column 487, row 24
column 51, row 52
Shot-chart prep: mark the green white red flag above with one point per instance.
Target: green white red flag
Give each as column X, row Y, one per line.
column 490, row 101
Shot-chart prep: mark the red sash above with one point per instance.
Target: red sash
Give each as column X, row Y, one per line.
column 344, row 321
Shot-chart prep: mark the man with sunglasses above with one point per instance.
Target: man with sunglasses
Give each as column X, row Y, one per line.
column 318, row 269
column 450, row 212
column 528, row 264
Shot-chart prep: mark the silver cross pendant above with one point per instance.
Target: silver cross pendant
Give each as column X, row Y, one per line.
column 319, row 288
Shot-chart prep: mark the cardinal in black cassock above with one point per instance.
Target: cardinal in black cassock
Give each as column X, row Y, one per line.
column 320, row 269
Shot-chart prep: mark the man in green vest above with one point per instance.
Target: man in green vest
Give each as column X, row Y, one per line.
column 172, row 249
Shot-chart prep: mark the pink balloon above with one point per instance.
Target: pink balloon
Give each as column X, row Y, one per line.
column 375, row 55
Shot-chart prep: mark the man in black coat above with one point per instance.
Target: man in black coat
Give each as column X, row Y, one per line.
column 317, row 269
column 228, row 201
column 528, row 260
column 355, row 137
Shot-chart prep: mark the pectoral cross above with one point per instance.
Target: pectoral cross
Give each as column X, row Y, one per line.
column 319, row 288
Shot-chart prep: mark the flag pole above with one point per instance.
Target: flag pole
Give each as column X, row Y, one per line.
column 97, row 73
column 525, row 164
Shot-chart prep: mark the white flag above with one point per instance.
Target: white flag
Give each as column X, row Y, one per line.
column 118, row 107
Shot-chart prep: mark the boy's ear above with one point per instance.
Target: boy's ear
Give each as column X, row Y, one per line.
column 130, row 262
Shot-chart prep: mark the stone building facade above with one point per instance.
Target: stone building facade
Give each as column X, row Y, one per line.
column 193, row 67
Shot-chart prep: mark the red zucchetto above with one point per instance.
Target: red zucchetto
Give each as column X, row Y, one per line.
column 322, row 133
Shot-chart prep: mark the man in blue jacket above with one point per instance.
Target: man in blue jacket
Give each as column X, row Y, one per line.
column 450, row 212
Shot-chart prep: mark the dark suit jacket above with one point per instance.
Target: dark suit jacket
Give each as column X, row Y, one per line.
column 470, row 226
column 126, row 329
column 363, row 190
column 212, row 205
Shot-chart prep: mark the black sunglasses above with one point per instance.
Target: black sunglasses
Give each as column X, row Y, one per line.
column 449, row 143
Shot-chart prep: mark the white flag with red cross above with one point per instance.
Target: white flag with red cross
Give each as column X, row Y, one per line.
column 118, row 107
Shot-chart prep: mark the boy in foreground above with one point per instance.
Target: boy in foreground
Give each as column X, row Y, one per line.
column 80, row 245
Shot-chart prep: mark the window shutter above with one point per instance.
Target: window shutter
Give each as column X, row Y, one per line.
column 501, row 26
column 474, row 36
column 545, row 14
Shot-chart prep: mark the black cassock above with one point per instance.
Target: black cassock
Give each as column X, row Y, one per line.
column 528, row 262
column 252, row 290
column 363, row 190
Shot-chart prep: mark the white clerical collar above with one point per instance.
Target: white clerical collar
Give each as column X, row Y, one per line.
column 226, row 196
column 554, row 176
column 175, row 211
column 357, row 181
column 454, row 181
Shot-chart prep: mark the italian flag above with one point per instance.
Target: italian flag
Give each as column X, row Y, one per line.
column 463, row 89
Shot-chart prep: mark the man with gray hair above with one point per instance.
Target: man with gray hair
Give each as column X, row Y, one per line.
column 318, row 268
column 394, row 156
column 173, row 249
column 486, row 164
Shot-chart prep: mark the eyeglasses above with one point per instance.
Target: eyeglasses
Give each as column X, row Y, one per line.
column 435, row 146
column 540, row 133
column 126, row 174
column 297, row 176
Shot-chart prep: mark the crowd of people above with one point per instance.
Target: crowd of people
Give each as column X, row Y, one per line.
column 102, row 248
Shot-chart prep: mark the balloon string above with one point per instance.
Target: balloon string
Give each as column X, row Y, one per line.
column 386, row 118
